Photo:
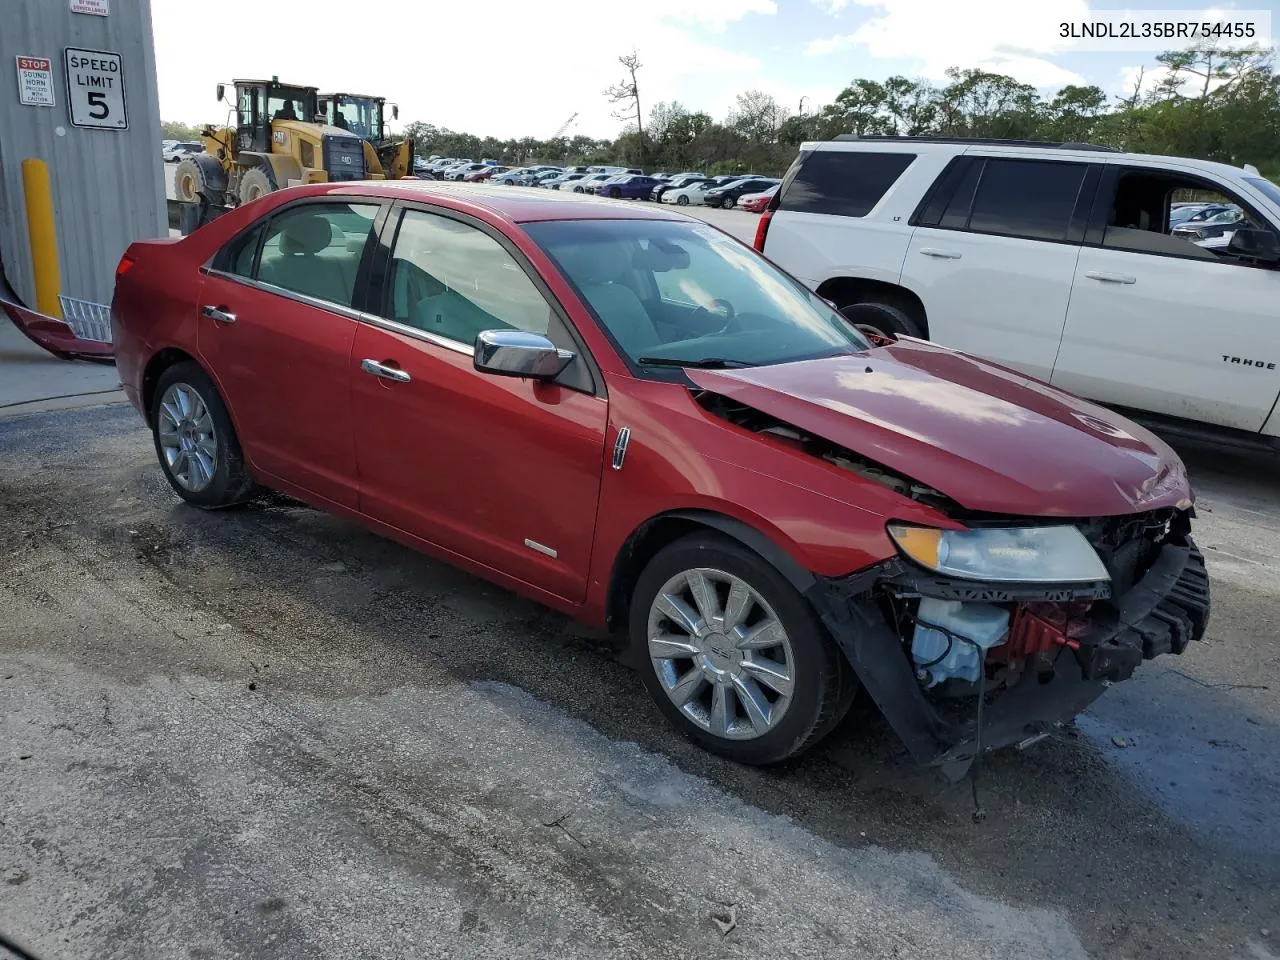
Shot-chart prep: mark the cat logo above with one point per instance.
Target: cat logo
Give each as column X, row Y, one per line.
column 280, row 137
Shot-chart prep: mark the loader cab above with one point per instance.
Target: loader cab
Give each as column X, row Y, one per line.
column 259, row 102
column 365, row 116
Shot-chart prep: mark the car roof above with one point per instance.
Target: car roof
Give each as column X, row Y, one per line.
column 512, row 205
column 1013, row 148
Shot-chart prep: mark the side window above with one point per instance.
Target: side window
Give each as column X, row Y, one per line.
column 453, row 280
column 1168, row 213
column 1027, row 198
column 843, row 182
column 237, row 257
column 315, row 249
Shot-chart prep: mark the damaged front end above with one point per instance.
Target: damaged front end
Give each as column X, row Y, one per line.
column 959, row 666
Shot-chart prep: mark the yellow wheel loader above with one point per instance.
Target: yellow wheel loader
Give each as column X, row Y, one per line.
column 365, row 116
column 278, row 140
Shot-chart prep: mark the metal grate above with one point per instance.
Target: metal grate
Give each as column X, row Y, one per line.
column 87, row 320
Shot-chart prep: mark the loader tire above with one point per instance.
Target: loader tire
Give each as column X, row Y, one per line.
column 254, row 184
column 195, row 177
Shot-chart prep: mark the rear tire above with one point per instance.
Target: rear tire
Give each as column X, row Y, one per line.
column 882, row 320
column 195, row 440
column 734, row 714
column 254, row 184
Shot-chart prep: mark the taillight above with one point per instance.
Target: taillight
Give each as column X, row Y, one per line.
column 762, row 228
column 123, row 267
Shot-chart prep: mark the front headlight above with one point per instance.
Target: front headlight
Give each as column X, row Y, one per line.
column 1058, row 554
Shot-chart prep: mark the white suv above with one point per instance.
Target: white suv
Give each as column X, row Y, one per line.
column 1053, row 259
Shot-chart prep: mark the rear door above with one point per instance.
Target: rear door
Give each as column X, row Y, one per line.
column 994, row 253
column 1157, row 323
column 276, row 325
column 503, row 471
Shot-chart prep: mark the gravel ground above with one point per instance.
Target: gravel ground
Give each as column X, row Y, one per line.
column 267, row 733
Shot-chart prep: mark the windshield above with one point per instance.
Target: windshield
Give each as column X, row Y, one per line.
column 672, row 290
column 285, row 103
column 360, row 115
column 1266, row 187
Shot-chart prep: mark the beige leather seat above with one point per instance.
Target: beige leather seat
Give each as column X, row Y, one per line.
column 299, row 266
column 598, row 270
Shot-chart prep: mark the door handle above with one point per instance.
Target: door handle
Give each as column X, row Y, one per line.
column 384, row 372
column 217, row 313
column 939, row 254
column 1110, row 277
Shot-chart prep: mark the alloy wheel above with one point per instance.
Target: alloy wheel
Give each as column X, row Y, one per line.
column 721, row 654
column 188, row 441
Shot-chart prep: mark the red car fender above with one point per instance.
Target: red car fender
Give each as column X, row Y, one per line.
column 681, row 459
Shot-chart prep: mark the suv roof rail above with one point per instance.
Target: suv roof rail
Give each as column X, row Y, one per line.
column 990, row 141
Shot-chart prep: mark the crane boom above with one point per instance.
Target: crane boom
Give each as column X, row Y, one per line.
column 563, row 127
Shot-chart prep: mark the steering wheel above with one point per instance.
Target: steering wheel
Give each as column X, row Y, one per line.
column 717, row 307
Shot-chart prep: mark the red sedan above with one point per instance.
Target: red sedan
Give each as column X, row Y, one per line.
column 633, row 418
column 479, row 176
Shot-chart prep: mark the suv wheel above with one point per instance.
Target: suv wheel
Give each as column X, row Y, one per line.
column 733, row 655
column 881, row 321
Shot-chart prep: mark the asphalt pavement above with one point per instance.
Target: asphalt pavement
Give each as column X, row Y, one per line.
column 265, row 732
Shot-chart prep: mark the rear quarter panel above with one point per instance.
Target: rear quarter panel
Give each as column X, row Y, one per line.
column 816, row 247
column 153, row 308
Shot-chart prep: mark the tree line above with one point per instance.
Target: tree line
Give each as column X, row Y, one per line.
column 1213, row 104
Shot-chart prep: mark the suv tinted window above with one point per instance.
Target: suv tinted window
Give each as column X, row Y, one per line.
column 315, row 249
column 841, row 182
column 1027, row 198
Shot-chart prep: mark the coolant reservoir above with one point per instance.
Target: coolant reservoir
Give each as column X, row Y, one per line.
column 948, row 637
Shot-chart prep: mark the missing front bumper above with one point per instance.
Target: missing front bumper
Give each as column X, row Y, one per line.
column 1162, row 613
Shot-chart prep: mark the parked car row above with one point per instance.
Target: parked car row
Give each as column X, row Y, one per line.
column 750, row 192
column 171, row 151
column 810, row 490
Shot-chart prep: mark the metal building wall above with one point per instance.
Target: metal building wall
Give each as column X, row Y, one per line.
column 108, row 186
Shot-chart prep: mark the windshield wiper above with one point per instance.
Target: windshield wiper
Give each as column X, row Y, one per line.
column 706, row 363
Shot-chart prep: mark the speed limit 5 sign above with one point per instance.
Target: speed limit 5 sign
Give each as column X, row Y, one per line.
column 95, row 89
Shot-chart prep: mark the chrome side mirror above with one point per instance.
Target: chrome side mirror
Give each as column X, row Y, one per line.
column 518, row 353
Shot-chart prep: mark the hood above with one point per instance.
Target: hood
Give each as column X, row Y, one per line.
column 990, row 439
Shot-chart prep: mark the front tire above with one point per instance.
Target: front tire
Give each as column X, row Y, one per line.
column 682, row 201
column 733, row 655
column 195, row 440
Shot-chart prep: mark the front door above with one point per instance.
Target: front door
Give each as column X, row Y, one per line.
column 503, row 471
column 995, row 271
column 276, row 326
column 1161, row 324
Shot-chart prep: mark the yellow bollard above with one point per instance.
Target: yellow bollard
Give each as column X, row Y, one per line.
column 42, row 236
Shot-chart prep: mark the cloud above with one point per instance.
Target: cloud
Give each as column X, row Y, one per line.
column 506, row 68
column 1014, row 37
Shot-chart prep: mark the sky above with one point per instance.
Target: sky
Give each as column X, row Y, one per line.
column 513, row 68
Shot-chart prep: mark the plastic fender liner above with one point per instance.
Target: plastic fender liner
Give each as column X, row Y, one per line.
column 876, row 654
column 749, row 536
